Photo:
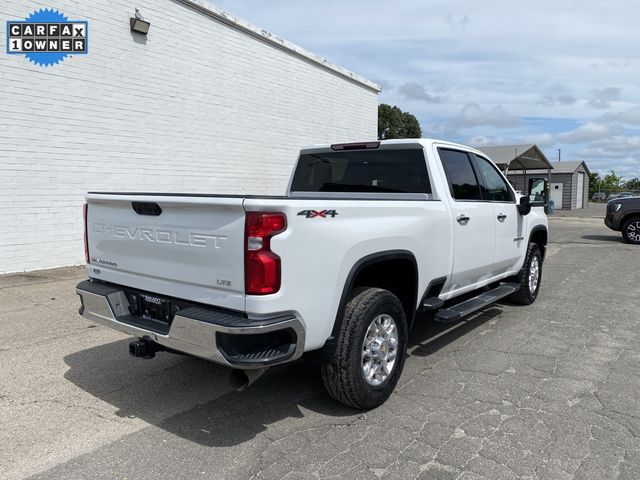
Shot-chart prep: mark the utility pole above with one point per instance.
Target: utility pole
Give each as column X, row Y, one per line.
column 559, row 150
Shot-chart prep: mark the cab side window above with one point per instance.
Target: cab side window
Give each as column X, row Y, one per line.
column 462, row 179
column 494, row 188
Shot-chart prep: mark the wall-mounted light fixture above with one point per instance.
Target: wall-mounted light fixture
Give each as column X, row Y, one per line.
column 139, row 24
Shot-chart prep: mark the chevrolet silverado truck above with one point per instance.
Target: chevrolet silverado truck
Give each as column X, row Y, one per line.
column 623, row 215
column 368, row 235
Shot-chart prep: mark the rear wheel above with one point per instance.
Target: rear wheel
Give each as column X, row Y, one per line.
column 529, row 277
column 631, row 231
column 371, row 350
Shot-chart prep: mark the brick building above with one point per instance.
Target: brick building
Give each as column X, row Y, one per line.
column 205, row 102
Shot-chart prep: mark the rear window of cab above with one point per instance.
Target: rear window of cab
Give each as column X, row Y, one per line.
column 385, row 171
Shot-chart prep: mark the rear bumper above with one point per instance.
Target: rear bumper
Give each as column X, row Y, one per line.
column 222, row 337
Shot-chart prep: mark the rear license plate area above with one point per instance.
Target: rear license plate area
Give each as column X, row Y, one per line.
column 153, row 308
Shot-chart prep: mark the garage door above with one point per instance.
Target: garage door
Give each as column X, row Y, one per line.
column 580, row 192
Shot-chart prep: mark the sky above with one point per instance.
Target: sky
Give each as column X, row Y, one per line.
column 561, row 74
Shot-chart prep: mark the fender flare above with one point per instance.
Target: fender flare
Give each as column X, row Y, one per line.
column 536, row 229
column 543, row 251
column 328, row 350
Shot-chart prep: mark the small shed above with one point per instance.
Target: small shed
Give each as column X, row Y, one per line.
column 569, row 183
column 518, row 157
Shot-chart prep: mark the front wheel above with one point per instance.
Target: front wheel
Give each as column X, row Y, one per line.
column 529, row 278
column 631, row 231
column 371, row 350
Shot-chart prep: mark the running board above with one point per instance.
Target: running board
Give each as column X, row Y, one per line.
column 456, row 312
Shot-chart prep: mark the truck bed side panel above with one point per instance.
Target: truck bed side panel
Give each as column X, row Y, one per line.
column 318, row 252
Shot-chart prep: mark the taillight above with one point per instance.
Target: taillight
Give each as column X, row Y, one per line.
column 261, row 265
column 86, row 236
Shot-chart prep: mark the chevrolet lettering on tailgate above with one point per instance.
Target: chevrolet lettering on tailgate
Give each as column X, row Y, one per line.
column 146, row 234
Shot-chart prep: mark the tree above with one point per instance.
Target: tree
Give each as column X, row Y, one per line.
column 633, row 184
column 595, row 183
column 612, row 182
column 394, row 123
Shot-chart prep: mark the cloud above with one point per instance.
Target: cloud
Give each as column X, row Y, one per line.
column 618, row 146
column 603, row 97
column 627, row 117
column 543, row 140
column 485, row 140
column 557, row 95
column 602, row 146
column 611, row 64
column 385, row 85
column 567, row 89
column 415, row 91
column 456, row 22
column 586, row 133
column 620, row 153
column 566, row 99
column 472, row 115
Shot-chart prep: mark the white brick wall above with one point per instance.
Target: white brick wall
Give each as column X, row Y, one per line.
column 197, row 106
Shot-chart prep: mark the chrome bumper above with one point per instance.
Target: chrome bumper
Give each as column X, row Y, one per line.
column 193, row 330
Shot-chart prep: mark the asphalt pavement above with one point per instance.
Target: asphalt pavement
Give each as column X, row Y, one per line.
column 548, row 391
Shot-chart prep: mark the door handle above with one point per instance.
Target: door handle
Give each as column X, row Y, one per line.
column 463, row 219
column 502, row 217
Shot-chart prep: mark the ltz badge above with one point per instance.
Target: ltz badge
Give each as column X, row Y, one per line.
column 46, row 37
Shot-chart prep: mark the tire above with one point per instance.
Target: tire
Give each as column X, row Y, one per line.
column 361, row 345
column 529, row 277
column 631, row 231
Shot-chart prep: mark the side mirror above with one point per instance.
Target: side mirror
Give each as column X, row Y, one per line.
column 524, row 207
column 538, row 190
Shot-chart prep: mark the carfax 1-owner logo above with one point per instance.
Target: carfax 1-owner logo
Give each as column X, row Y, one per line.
column 46, row 37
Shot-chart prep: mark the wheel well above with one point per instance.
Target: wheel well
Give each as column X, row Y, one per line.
column 629, row 216
column 398, row 275
column 539, row 236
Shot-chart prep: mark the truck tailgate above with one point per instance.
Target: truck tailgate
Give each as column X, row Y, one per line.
column 189, row 247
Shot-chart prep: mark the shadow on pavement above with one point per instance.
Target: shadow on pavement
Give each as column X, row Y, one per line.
column 213, row 415
column 428, row 336
column 153, row 390
column 237, row 417
column 605, row 238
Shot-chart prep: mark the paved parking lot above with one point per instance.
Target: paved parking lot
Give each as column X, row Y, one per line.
column 549, row 391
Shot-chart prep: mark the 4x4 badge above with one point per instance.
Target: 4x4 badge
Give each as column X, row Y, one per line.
column 318, row 213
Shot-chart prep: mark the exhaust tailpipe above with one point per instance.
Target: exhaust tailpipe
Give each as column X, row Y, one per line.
column 240, row 380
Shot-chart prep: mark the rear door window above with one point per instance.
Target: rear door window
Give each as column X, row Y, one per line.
column 385, row 170
column 463, row 183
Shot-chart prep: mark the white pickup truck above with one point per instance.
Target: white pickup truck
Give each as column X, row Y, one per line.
column 368, row 235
